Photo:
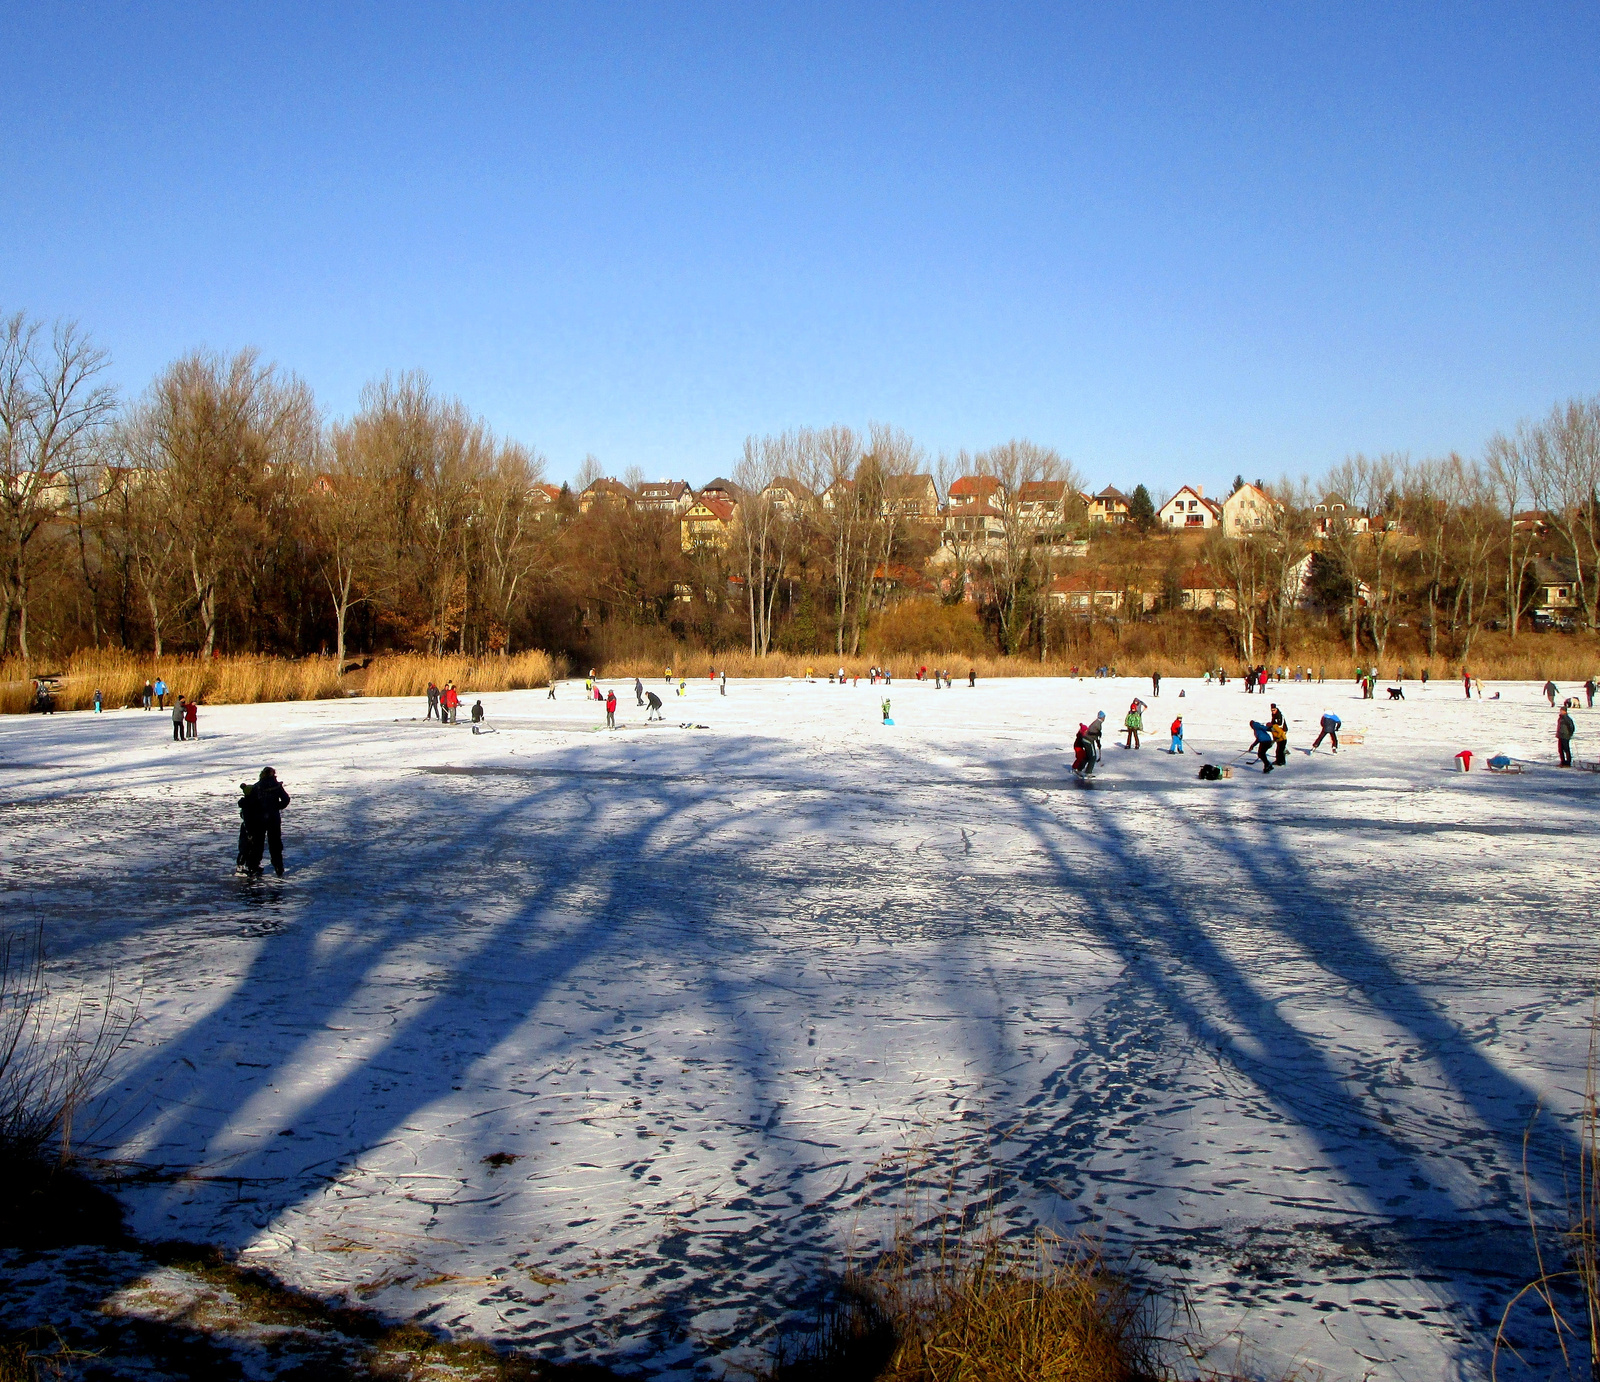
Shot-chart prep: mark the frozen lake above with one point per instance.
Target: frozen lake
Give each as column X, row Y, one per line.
column 721, row 986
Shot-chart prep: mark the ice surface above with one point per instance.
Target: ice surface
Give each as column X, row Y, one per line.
column 724, row 992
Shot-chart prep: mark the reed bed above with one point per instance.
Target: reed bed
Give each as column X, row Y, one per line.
column 120, row 678
column 408, row 674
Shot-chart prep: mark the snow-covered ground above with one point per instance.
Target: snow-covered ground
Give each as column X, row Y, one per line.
column 723, row 987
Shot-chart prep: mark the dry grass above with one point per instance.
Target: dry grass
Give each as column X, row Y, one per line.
column 1038, row 1311
column 120, row 677
column 408, row 674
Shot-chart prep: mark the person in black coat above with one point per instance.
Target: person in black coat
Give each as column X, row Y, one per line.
column 261, row 824
column 1564, row 732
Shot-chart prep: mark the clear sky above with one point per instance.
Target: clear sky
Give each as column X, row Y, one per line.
column 1173, row 242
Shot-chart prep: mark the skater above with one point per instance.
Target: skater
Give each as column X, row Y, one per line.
column 655, row 707
column 477, row 712
column 886, row 718
column 161, row 694
column 97, row 700
column 1564, row 732
column 1466, row 682
column 149, row 695
column 177, row 720
column 1552, row 691
column 1133, row 722
column 611, row 709
column 1276, row 718
column 1424, row 678
column 433, row 702
column 552, row 694
column 191, row 719
column 1330, row 730
column 1280, row 737
column 1588, row 688
column 724, row 686
column 1155, row 684
column 1261, row 743
column 1094, row 733
column 1177, row 736
column 452, row 700
column 262, row 824
column 972, row 677
column 638, row 692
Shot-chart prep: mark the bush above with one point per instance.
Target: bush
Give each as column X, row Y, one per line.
column 918, row 626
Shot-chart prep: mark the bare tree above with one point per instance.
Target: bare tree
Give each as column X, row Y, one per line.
column 835, row 456
column 512, row 542
column 52, row 408
column 1509, row 464
column 340, row 508
column 1285, row 546
column 1240, row 562
column 1562, row 465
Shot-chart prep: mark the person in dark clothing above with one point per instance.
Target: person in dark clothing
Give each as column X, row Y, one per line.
column 433, row 702
column 1588, row 688
column 1092, row 737
column 1276, row 718
column 1263, row 742
column 972, row 676
column 477, row 712
column 177, row 719
column 261, row 823
column 1155, row 683
column 1564, row 732
column 1330, row 730
column 638, row 691
column 654, row 702
column 1552, row 691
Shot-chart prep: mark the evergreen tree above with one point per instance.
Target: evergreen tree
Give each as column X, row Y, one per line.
column 1141, row 510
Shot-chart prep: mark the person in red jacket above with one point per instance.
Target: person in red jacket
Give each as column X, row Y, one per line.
column 611, row 709
column 1177, row 736
column 191, row 718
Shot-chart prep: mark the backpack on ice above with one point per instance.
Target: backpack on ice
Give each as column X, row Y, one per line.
column 1210, row 772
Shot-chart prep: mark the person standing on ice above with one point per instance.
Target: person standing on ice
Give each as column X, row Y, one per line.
column 1552, row 691
column 161, row 694
column 1133, row 722
column 149, row 695
column 1564, row 732
column 1155, row 684
column 724, row 681
column 191, row 719
column 177, row 720
column 1093, row 734
column 611, row 709
column 655, row 706
column 638, row 691
column 97, row 700
column 1261, row 743
column 263, row 824
column 1177, row 736
column 1588, row 688
column 1330, row 730
column 433, row 701
column 1280, row 737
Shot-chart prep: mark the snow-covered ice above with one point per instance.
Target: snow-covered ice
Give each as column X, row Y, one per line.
column 722, row 987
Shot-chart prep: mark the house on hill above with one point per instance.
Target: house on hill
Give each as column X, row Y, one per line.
column 1087, row 593
column 973, row 527
column 1190, row 510
column 664, row 496
column 787, row 495
column 1248, row 509
column 605, row 493
column 1555, row 584
column 1201, row 588
column 707, row 523
column 972, row 490
column 1332, row 515
column 1109, row 506
column 911, row 496
column 722, row 489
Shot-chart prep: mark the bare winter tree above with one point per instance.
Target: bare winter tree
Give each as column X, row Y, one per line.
column 844, row 527
column 223, row 432
column 766, row 527
column 1240, row 563
column 512, row 542
column 53, row 406
column 1509, row 463
column 341, row 508
column 1562, row 459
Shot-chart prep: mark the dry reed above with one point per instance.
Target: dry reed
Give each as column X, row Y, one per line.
column 120, row 678
column 408, row 674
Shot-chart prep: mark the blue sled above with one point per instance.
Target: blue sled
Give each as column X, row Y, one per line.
column 888, row 722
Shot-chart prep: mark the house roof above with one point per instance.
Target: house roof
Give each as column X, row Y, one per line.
column 1553, row 571
column 722, row 486
column 606, row 485
column 1111, row 494
column 972, row 487
column 717, row 508
column 1042, row 491
column 793, row 486
column 663, row 489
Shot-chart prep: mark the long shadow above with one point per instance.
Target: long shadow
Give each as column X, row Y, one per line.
column 1433, row 1230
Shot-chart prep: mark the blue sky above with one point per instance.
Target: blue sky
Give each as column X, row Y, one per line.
column 1173, row 242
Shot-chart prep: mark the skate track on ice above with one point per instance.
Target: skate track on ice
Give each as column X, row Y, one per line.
column 731, row 995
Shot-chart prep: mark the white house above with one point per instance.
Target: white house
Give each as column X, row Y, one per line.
column 1248, row 509
column 1189, row 509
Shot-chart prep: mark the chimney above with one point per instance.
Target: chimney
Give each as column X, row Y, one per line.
column 1200, row 491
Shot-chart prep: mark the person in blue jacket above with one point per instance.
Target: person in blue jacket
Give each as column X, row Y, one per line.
column 1330, row 730
column 1263, row 742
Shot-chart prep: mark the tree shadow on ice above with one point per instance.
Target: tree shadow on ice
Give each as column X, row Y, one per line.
column 1423, row 1173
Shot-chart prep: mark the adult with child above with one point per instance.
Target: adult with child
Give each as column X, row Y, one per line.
column 261, row 823
column 177, row 720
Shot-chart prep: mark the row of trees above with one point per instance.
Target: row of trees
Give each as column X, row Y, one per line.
column 222, row 510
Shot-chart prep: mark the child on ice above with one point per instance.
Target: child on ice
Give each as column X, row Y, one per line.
column 1177, row 736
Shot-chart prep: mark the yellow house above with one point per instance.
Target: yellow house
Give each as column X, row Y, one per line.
column 707, row 522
